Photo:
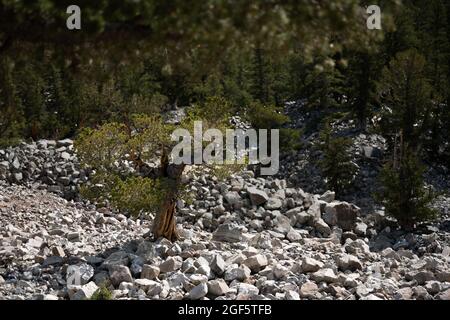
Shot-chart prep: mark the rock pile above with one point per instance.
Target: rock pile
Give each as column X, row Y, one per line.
column 315, row 248
column 53, row 163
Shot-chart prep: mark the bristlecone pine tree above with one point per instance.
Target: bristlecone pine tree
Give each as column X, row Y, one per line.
column 107, row 148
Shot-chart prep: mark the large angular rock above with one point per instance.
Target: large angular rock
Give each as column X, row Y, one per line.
column 322, row 227
column 348, row 262
column 228, row 233
column 117, row 258
column 79, row 274
column 119, row 273
column 341, row 214
column 239, row 273
column 308, row 290
column 282, row 224
column 256, row 262
column 324, row 275
column 311, row 265
column 233, row 199
column 171, row 264
column 198, row 291
column 85, row 292
column 149, row 272
column 218, row 265
column 257, row 197
column 273, row 204
column 218, row 287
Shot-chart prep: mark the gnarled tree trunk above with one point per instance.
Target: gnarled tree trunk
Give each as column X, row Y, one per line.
column 165, row 222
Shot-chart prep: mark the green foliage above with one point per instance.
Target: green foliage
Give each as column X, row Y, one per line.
column 102, row 293
column 336, row 164
column 265, row 116
column 404, row 195
column 138, row 194
column 407, row 96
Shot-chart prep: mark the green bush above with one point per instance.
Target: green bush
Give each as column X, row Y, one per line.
column 102, row 293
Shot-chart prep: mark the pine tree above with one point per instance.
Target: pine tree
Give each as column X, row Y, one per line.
column 404, row 194
column 336, row 164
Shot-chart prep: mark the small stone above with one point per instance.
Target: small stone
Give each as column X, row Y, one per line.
column 404, row 294
column 292, row 295
column 309, row 289
column 218, row 287
column 151, row 287
column 218, row 265
column 445, row 295
column 58, row 251
column 247, row 289
column 322, row 227
column 294, row 236
column 311, row 265
column 241, row 273
column 361, row 229
column 433, row 287
column 149, row 272
column 273, row 204
column 282, row 224
column 73, row 236
column 52, row 261
column 328, row 196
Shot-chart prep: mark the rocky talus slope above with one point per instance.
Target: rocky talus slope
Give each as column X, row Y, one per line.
column 244, row 238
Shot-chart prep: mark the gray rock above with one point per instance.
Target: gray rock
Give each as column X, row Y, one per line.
column 273, row 204
column 80, row 274
column 117, row 258
column 328, row 196
column 233, row 199
column 218, row 265
column 85, row 292
column 228, row 233
column 324, row 275
column 151, row 287
column 308, row 289
column 256, row 262
column 198, row 291
column 238, row 273
column 348, row 262
column 341, row 214
column 73, row 236
column 149, row 272
column 218, row 287
column 311, row 265
column 322, row 227
column 282, row 224
column 257, row 197
column 293, row 236
column 171, row 264
column 361, row 228
column 119, row 273
column 247, row 289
